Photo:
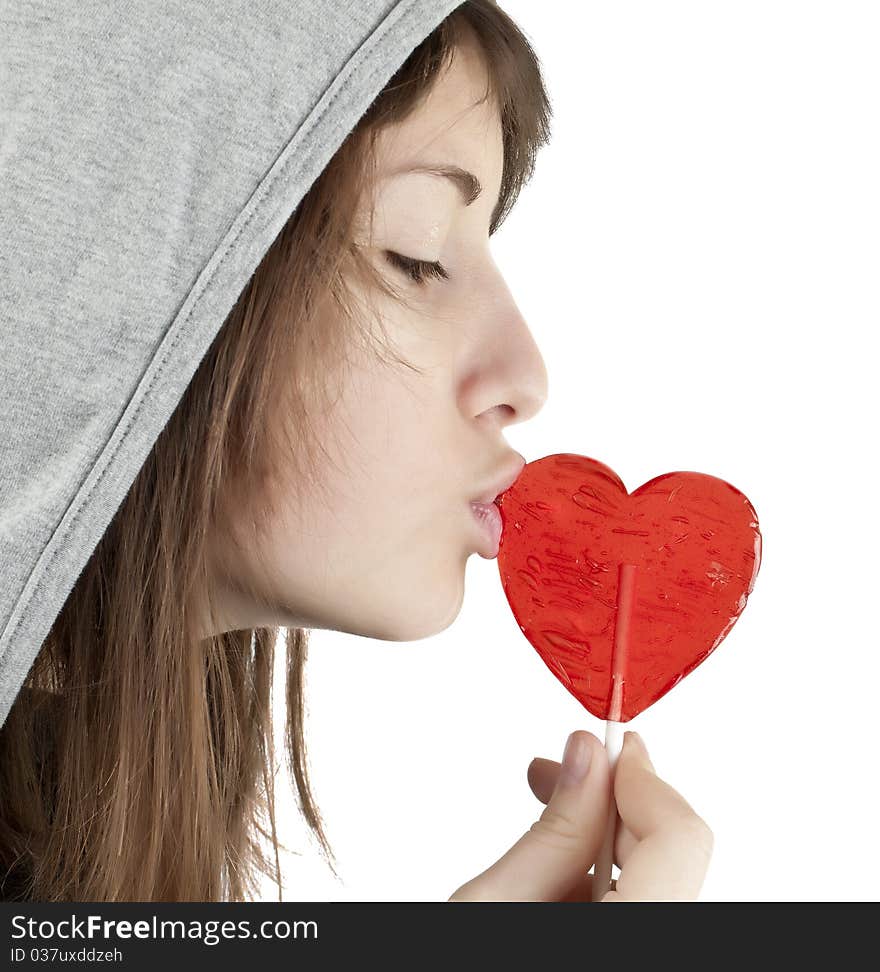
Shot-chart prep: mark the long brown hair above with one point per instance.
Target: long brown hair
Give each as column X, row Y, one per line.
column 137, row 762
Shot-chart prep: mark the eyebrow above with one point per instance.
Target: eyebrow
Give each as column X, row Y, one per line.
column 468, row 184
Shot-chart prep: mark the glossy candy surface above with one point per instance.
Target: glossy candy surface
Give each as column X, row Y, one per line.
column 622, row 595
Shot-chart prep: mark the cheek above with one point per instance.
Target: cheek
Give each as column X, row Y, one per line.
column 387, row 496
column 384, row 430
column 387, row 464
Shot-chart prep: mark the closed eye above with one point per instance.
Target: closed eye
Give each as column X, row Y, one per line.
column 417, row 270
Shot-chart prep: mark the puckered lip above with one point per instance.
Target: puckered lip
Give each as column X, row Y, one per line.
column 502, row 483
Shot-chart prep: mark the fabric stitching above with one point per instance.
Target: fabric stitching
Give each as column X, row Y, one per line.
column 359, row 66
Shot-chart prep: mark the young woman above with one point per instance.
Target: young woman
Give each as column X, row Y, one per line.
column 317, row 472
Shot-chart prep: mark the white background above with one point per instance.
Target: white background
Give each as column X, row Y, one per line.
column 697, row 256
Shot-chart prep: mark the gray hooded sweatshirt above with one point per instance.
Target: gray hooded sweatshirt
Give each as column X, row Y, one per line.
column 150, row 153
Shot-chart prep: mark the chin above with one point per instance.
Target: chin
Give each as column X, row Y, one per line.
column 421, row 613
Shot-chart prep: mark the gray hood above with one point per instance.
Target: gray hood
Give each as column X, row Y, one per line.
column 150, row 153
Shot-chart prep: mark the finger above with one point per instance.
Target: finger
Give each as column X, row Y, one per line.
column 583, row 889
column 674, row 845
column 644, row 801
column 625, row 843
column 542, row 774
column 559, row 848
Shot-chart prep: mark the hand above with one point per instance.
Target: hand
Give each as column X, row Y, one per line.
column 661, row 846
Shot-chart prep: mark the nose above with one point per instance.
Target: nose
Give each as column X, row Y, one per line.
column 508, row 380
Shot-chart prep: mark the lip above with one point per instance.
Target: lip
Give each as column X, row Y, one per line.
column 487, row 517
column 486, row 513
column 501, row 485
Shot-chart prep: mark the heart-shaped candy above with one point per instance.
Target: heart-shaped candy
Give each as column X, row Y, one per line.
column 621, row 594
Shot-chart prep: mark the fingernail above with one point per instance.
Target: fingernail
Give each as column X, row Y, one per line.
column 575, row 759
column 640, row 744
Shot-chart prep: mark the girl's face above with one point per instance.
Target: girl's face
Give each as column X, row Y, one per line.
column 382, row 551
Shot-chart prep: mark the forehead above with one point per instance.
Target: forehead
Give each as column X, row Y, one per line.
column 450, row 125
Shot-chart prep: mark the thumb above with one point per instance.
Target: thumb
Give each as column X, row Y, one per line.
column 558, row 849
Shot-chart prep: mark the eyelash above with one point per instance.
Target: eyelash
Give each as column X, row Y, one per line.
column 417, row 270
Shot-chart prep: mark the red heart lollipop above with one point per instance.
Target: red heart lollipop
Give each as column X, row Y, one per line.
column 622, row 595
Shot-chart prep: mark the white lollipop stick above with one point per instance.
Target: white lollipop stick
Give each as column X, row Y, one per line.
column 626, row 586
column 602, row 870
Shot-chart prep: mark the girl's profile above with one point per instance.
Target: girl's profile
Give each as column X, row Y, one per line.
column 258, row 362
